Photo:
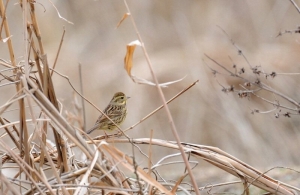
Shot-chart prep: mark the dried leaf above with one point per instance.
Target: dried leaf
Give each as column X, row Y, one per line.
column 128, row 63
column 144, row 81
column 129, row 55
column 171, row 82
column 124, row 17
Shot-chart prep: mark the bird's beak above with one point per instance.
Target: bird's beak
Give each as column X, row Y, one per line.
column 127, row 98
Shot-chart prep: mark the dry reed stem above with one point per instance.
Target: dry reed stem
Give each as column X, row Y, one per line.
column 23, row 165
column 48, row 89
column 128, row 163
column 8, row 184
column 170, row 118
column 86, row 176
column 7, row 33
column 104, row 162
column 58, row 51
column 224, row 161
column 53, row 167
column 74, row 136
column 35, row 53
column 43, row 141
column 47, row 106
column 12, row 137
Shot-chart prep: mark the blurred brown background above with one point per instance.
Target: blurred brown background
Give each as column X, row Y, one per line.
column 177, row 34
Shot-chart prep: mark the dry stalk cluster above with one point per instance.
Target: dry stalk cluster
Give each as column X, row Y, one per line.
column 44, row 153
column 255, row 82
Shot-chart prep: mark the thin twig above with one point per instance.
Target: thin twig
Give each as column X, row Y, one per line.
column 240, row 52
column 295, row 5
column 25, row 38
column 276, row 105
column 150, row 152
column 58, row 51
column 261, row 84
column 82, row 100
column 135, row 166
column 157, row 109
column 289, row 74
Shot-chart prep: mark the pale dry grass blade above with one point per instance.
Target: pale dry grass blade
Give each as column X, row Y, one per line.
column 53, row 168
column 21, row 162
column 127, row 162
column 224, row 161
column 43, row 145
column 85, row 177
column 8, row 185
column 12, row 137
column 7, row 33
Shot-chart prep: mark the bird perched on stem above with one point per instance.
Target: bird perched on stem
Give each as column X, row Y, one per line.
column 116, row 111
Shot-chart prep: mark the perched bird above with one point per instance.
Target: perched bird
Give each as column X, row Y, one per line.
column 116, row 111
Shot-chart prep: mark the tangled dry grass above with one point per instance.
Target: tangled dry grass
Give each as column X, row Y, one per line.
column 46, row 152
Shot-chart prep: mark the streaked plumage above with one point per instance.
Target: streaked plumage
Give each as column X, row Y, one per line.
column 116, row 111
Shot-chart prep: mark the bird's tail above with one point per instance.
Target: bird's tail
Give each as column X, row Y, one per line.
column 92, row 129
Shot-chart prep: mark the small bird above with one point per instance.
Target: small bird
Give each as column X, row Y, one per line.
column 116, row 111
